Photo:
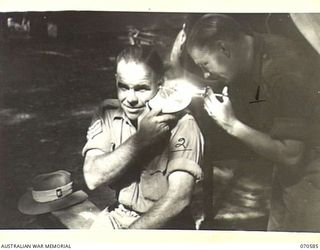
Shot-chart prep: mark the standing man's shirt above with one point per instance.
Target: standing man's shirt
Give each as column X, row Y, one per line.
column 278, row 98
column 289, row 83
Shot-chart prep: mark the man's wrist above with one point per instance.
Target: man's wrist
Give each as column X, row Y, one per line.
column 235, row 128
column 139, row 141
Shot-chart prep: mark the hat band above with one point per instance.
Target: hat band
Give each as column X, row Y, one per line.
column 53, row 194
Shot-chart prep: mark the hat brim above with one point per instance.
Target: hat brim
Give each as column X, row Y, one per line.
column 169, row 105
column 28, row 205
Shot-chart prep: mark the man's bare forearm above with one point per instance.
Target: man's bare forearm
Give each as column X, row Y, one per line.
column 287, row 152
column 102, row 167
column 170, row 205
column 160, row 213
column 107, row 167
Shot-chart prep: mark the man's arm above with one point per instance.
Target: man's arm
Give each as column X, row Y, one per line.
column 288, row 152
column 183, row 171
column 178, row 196
column 100, row 167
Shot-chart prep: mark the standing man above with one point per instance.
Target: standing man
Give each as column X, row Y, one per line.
column 267, row 105
column 151, row 159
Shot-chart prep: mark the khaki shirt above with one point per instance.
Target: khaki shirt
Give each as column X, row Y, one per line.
column 148, row 182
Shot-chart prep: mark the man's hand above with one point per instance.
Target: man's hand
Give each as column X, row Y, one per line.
column 154, row 126
column 221, row 112
column 285, row 151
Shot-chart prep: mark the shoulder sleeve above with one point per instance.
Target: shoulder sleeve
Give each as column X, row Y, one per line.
column 291, row 108
column 186, row 147
column 99, row 131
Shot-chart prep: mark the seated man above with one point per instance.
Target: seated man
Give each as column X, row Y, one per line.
column 151, row 159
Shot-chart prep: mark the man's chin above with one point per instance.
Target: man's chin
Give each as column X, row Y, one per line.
column 133, row 116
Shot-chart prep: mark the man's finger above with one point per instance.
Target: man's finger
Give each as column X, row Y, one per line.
column 209, row 103
column 210, row 96
column 165, row 118
column 165, row 126
column 154, row 112
column 208, row 110
column 225, row 97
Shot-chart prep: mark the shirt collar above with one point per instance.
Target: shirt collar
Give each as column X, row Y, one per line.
column 120, row 115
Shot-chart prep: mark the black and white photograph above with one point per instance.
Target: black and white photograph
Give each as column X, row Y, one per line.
column 160, row 120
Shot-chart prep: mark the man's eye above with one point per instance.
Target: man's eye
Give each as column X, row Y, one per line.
column 142, row 89
column 123, row 87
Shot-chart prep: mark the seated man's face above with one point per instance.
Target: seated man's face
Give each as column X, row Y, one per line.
column 136, row 86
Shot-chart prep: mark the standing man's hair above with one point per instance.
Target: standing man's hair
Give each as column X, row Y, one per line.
column 145, row 55
column 211, row 28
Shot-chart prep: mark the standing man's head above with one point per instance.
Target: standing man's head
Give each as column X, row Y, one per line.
column 139, row 73
column 220, row 47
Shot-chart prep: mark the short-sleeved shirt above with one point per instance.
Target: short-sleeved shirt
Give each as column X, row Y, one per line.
column 280, row 100
column 278, row 97
column 146, row 183
column 277, row 101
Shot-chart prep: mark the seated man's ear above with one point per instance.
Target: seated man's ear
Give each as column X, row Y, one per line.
column 224, row 48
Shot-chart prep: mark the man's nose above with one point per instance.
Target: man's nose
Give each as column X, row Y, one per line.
column 132, row 97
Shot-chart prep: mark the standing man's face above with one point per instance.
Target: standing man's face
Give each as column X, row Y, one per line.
column 215, row 64
column 136, row 86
